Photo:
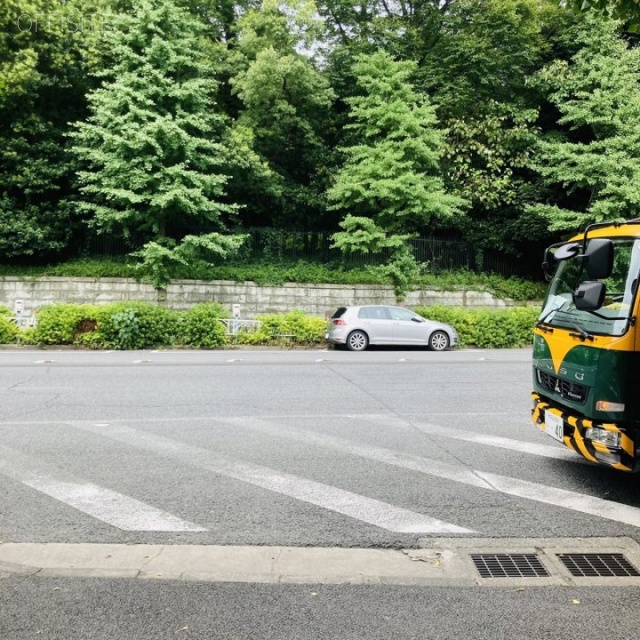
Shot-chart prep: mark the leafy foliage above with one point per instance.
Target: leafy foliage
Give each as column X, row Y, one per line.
column 151, row 146
column 193, row 117
column 42, row 87
column 627, row 10
column 273, row 273
column 285, row 111
column 63, row 323
column 140, row 325
column 157, row 259
column 392, row 173
column 8, row 330
column 289, row 329
column 363, row 235
column 596, row 158
column 487, row 329
column 200, row 326
column 136, row 325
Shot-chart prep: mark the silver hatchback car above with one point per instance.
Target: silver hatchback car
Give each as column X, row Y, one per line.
column 358, row 327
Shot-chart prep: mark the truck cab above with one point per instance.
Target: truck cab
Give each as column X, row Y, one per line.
column 586, row 346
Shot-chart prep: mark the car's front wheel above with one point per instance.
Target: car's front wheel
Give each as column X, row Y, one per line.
column 357, row 341
column 438, row 341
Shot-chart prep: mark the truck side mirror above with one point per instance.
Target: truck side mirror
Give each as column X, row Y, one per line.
column 589, row 296
column 598, row 258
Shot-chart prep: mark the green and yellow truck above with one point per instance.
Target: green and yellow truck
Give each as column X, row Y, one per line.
column 586, row 346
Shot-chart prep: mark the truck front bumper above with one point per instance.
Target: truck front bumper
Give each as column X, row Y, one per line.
column 574, row 428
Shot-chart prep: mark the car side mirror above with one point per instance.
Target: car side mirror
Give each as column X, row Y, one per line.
column 589, row 296
column 598, row 258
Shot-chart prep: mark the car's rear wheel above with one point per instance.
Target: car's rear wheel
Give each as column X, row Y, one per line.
column 357, row 341
column 438, row 341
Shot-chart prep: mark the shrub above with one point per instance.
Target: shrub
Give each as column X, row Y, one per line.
column 136, row 325
column 62, row 323
column 8, row 330
column 200, row 327
column 303, row 329
column 487, row 328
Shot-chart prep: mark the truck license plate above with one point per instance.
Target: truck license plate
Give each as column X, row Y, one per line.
column 554, row 425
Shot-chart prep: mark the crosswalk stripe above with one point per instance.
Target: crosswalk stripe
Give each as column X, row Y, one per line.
column 103, row 504
column 369, row 510
column 503, row 484
column 500, row 442
column 533, row 448
column 565, row 499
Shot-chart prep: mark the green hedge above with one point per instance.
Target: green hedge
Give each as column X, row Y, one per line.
column 200, row 327
column 487, row 328
column 127, row 325
column 8, row 330
column 139, row 325
column 294, row 327
column 136, row 325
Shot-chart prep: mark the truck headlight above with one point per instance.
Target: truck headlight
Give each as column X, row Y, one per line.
column 607, row 438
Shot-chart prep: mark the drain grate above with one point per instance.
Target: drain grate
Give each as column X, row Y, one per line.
column 598, row 565
column 509, row 565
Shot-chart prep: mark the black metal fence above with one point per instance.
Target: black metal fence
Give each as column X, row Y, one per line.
column 275, row 245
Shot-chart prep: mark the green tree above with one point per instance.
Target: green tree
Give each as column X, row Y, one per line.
column 392, row 171
column 151, row 148
column 593, row 162
column 43, row 79
column 399, row 266
column 477, row 72
column 284, row 114
column 627, row 10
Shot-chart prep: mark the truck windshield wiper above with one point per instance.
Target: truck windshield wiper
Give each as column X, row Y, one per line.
column 548, row 314
column 582, row 334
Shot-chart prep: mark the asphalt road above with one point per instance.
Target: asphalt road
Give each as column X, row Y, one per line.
column 383, row 449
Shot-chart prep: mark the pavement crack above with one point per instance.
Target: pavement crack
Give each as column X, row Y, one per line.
column 274, row 563
column 15, row 386
column 150, row 558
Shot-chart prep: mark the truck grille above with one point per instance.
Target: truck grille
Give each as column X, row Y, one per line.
column 569, row 390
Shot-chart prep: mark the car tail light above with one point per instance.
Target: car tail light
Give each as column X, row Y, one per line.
column 339, row 321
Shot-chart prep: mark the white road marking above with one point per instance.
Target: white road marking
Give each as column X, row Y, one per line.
column 546, row 451
column 369, row 510
column 371, row 452
column 103, row 504
column 503, row 484
column 563, row 498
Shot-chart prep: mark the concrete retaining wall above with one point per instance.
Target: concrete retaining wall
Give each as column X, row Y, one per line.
column 314, row 299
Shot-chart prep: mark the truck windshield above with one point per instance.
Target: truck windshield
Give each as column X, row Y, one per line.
column 613, row 317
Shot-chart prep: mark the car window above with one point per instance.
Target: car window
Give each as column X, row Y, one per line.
column 401, row 314
column 373, row 313
column 338, row 313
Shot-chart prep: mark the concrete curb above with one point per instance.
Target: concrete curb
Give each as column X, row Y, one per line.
column 446, row 562
column 273, row 565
